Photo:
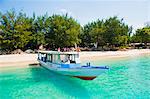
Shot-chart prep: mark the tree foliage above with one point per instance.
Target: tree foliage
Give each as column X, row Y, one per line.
column 142, row 35
column 14, row 30
column 20, row 31
column 64, row 31
column 111, row 31
column 17, row 30
column 117, row 32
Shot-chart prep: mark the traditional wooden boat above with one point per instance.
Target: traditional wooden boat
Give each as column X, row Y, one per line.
column 68, row 63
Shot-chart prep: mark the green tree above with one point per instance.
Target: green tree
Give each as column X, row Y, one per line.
column 85, row 35
column 7, row 22
column 117, row 32
column 142, row 35
column 111, row 31
column 38, row 30
column 22, row 34
column 94, row 33
column 64, row 31
column 15, row 30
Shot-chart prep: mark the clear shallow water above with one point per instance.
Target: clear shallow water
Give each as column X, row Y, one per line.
column 127, row 78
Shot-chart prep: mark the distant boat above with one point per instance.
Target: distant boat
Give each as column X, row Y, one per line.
column 68, row 63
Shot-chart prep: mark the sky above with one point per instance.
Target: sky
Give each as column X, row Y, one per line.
column 134, row 12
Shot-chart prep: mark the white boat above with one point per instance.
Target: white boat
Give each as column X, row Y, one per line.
column 68, row 63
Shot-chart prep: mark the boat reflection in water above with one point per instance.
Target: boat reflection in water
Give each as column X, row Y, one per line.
column 68, row 63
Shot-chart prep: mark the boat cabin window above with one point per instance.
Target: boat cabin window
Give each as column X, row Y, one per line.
column 49, row 58
column 69, row 58
column 42, row 57
column 56, row 58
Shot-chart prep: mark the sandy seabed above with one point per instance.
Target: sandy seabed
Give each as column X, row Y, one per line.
column 26, row 59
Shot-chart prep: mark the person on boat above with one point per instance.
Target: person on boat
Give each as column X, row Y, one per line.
column 67, row 62
column 59, row 49
column 64, row 49
column 78, row 49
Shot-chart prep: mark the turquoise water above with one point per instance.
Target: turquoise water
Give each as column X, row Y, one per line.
column 127, row 78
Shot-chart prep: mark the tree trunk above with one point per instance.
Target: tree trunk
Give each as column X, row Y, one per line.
column 95, row 44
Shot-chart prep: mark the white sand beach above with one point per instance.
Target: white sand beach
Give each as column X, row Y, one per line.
column 112, row 54
column 26, row 59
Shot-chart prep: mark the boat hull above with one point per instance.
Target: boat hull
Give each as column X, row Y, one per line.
column 86, row 77
column 82, row 73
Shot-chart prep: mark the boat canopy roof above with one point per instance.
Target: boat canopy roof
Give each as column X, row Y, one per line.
column 56, row 52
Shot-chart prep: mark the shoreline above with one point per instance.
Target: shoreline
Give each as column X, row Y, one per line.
column 26, row 59
column 113, row 54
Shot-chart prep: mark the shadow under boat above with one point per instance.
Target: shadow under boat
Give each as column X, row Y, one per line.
column 69, row 85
